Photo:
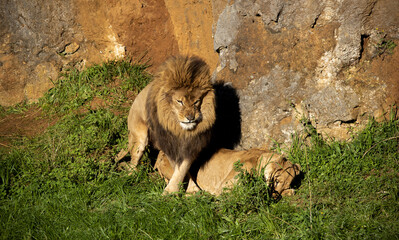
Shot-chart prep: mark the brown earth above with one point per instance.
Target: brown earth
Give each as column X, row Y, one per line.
column 27, row 124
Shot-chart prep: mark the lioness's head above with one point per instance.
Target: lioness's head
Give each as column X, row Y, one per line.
column 280, row 175
column 186, row 99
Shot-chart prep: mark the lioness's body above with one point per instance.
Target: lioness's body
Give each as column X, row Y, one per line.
column 175, row 112
column 219, row 173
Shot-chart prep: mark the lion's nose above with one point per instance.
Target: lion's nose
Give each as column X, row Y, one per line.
column 190, row 117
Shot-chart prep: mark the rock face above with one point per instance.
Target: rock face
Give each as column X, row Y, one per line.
column 40, row 38
column 331, row 61
column 312, row 59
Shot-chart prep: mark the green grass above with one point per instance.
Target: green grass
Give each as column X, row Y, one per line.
column 385, row 46
column 109, row 81
column 64, row 184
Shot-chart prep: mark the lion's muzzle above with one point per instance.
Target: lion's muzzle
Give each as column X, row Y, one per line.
column 191, row 121
column 189, row 125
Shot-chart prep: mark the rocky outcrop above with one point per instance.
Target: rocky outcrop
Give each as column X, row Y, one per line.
column 303, row 59
column 40, row 38
column 331, row 61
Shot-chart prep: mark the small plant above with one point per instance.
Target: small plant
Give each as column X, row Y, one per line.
column 3, row 111
column 384, row 45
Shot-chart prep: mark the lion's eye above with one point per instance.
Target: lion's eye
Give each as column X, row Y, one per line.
column 196, row 103
column 179, row 102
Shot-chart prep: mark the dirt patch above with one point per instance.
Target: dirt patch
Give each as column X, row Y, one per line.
column 28, row 124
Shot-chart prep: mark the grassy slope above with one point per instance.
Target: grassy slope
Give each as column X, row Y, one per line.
column 64, row 185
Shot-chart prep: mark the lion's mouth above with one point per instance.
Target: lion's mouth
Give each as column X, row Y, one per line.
column 188, row 125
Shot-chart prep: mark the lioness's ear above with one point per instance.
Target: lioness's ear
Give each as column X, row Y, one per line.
column 270, row 169
column 297, row 168
column 288, row 192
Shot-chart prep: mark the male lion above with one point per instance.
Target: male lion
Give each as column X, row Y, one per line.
column 175, row 112
column 219, row 172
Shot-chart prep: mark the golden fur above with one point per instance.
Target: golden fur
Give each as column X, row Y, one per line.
column 176, row 112
column 218, row 173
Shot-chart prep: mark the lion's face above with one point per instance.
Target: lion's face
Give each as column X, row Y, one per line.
column 187, row 107
column 184, row 97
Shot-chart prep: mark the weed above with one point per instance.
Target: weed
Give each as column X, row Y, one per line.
column 384, row 45
column 249, row 194
column 18, row 108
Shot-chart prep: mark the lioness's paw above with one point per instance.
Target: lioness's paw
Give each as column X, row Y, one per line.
column 192, row 188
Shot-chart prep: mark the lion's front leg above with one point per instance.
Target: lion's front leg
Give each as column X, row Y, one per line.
column 180, row 171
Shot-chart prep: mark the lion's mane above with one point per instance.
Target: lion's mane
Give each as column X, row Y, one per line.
column 177, row 73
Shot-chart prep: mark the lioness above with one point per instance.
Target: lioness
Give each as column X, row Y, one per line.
column 218, row 173
column 175, row 112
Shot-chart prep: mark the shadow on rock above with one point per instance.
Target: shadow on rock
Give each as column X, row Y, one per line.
column 226, row 132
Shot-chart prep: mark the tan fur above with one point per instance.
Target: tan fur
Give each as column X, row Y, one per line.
column 218, row 173
column 179, row 101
